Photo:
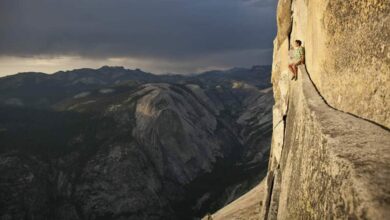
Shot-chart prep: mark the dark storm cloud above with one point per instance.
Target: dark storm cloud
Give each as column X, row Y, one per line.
column 150, row 29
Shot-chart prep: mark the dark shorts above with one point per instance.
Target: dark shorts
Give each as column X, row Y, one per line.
column 297, row 63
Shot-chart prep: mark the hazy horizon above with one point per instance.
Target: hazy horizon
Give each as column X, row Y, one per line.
column 135, row 68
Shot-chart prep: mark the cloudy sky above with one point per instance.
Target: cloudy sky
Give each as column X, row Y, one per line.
column 160, row 36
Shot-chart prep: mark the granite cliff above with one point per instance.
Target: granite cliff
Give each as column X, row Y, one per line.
column 330, row 154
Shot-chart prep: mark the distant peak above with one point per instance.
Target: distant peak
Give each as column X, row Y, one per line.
column 106, row 67
column 111, row 67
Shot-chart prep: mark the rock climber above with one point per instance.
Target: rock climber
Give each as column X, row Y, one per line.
column 298, row 58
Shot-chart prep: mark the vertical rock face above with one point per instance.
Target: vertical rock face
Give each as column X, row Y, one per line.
column 330, row 146
column 348, row 54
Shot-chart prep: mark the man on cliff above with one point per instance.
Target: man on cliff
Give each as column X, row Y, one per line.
column 298, row 58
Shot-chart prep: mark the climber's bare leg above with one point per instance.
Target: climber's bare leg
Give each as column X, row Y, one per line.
column 295, row 67
column 291, row 68
column 295, row 71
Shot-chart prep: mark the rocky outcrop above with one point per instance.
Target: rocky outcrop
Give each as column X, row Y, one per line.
column 330, row 146
column 330, row 164
column 246, row 207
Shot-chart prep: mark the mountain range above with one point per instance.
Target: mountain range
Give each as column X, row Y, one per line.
column 114, row 143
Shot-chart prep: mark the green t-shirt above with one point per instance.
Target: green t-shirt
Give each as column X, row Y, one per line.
column 299, row 53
